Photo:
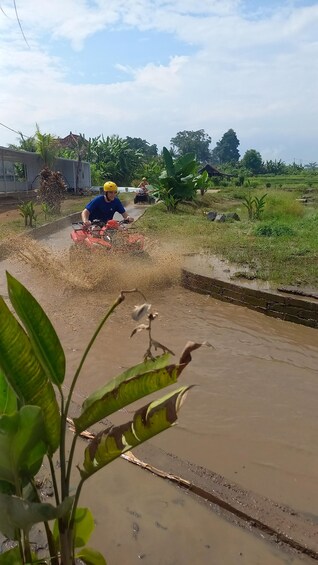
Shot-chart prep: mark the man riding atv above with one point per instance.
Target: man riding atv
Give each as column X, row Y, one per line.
column 103, row 207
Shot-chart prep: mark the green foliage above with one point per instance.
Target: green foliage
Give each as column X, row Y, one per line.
column 254, row 205
column 226, row 150
column 46, row 145
column 46, row 209
column 137, row 144
column 196, row 142
column 114, row 159
column 179, row 180
column 252, row 161
column 281, row 205
column 150, row 169
column 33, row 424
column 27, row 211
column 273, row 229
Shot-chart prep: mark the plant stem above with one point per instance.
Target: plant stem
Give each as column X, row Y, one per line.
column 70, row 460
column 53, row 475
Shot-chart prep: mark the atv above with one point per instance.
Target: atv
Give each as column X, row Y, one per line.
column 112, row 237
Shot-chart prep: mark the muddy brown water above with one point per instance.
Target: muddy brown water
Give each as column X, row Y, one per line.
column 251, row 417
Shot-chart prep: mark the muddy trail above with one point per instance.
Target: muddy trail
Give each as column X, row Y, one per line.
column 251, row 418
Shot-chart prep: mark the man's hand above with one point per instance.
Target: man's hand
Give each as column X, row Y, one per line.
column 130, row 219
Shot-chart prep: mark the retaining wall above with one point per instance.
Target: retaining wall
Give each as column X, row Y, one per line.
column 300, row 311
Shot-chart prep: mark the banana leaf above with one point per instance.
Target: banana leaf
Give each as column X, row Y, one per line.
column 19, row 514
column 90, row 556
column 8, row 398
column 43, row 337
column 147, row 422
column 22, row 444
column 133, row 384
column 168, row 162
column 26, row 375
column 186, row 164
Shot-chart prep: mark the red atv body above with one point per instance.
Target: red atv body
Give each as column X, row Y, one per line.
column 112, row 236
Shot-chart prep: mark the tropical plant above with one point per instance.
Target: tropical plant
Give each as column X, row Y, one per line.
column 52, row 189
column 27, row 211
column 34, row 415
column 46, row 209
column 178, row 181
column 46, row 145
column 202, row 182
column 116, row 160
column 254, row 205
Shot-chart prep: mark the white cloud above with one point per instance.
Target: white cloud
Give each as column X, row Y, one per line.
column 256, row 75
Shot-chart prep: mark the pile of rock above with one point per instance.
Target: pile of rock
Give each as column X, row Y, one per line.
column 216, row 217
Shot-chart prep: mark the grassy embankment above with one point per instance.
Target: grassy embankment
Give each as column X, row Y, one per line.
column 282, row 247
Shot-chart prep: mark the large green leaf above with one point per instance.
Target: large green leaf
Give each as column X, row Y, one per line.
column 90, row 556
column 147, row 422
column 17, row 513
column 22, row 444
column 135, row 383
column 168, row 162
column 186, row 164
column 25, row 373
column 8, row 398
column 43, row 337
column 83, row 527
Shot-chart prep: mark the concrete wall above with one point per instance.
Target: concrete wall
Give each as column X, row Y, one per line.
column 270, row 303
column 33, row 166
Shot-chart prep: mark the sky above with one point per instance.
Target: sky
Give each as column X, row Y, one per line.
column 152, row 68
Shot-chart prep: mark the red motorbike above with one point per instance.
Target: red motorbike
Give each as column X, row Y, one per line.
column 112, row 237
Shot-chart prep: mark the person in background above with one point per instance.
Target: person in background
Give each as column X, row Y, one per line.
column 142, row 194
column 103, row 207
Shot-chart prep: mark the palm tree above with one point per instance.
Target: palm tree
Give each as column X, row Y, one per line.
column 46, row 146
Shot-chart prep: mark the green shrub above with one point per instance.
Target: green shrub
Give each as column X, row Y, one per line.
column 272, row 230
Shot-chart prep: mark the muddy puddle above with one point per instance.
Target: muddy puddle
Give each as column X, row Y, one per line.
column 251, row 417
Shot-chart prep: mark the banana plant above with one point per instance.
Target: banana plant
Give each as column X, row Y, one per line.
column 34, row 415
column 178, row 181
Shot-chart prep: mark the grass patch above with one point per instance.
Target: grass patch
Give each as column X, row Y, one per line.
column 288, row 255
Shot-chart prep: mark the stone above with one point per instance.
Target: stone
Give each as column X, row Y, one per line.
column 211, row 216
column 233, row 216
column 220, row 218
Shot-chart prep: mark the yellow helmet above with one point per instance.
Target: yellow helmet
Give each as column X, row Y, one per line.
column 110, row 186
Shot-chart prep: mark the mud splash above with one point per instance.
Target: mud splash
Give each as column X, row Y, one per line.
column 156, row 268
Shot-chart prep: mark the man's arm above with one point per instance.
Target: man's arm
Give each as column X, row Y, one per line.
column 85, row 216
column 127, row 217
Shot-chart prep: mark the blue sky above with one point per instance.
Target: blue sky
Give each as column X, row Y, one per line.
column 151, row 68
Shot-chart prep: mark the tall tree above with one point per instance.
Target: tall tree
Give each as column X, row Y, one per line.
column 226, row 150
column 136, row 143
column 47, row 146
column 252, row 161
column 196, row 142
